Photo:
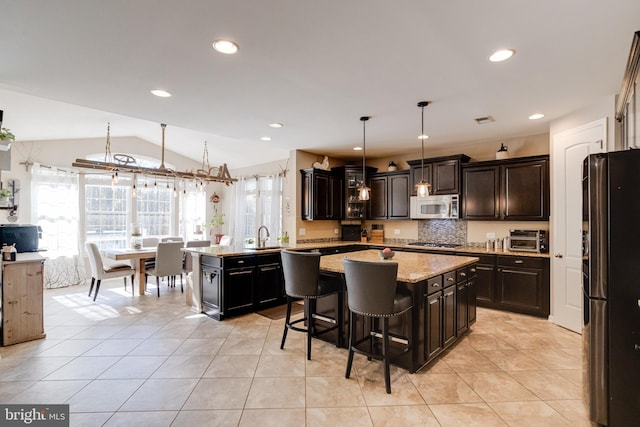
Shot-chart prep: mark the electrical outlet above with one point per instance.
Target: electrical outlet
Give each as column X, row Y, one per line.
column 491, row 235
column 396, row 231
column 302, row 231
column 336, row 231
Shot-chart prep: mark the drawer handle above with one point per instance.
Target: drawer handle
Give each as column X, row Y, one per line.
column 519, row 261
column 450, row 279
column 240, row 262
column 435, row 285
column 463, row 274
column 473, row 270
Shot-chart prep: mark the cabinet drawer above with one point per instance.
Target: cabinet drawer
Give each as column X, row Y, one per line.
column 269, row 259
column 472, row 271
column 241, row 261
column 449, row 278
column 212, row 261
column 462, row 274
column 515, row 261
column 434, row 285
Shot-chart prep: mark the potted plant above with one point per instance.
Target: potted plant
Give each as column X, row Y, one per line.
column 5, row 197
column 6, row 135
column 284, row 239
column 217, row 221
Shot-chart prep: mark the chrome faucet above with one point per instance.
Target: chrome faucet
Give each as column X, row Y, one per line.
column 261, row 241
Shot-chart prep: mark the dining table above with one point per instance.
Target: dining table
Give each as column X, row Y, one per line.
column 138, row 258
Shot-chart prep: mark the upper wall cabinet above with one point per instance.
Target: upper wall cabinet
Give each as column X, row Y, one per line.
column 628, row 105
column 443, row 173
column 389, row 195
column 352, row 180
column 514, row 190
column 322, row 194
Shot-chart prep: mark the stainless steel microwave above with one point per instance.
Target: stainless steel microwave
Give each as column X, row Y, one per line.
column 429, row 207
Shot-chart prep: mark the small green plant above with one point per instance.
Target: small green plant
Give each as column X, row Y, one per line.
column 216, row 220
column 6, row 135
column 5, row 193
column 284, row 238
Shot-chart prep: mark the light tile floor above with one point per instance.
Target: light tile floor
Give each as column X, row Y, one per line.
column 151, row 361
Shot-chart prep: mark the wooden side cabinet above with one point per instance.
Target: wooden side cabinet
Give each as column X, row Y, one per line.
column 22, row 299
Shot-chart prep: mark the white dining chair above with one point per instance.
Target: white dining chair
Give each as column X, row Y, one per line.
column 168, row 263
column 99, row 271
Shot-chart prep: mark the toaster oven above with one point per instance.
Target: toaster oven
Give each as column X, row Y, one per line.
column 528, row 240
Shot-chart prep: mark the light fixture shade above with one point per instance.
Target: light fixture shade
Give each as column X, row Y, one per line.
column 423, row 189
column 364, row 192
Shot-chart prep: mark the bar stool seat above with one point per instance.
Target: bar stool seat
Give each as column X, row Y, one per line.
column 372, row 292
column 302, row 280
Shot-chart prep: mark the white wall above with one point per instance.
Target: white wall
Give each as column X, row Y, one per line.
column 603, row 107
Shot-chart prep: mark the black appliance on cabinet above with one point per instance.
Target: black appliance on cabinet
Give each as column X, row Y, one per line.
column 611, row 267
column 25, row 237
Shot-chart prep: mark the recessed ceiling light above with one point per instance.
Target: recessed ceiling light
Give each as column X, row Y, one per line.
column 161, row 93
column 423, row 137
column 276, row 125
column 502, row 55
column 225, row 46
column 357, row 148
column 266, row 138
column 536, row 116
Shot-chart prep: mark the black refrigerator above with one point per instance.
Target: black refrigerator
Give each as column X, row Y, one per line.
column 611, row 287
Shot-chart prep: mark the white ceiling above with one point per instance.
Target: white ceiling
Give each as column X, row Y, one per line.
column 69, row 66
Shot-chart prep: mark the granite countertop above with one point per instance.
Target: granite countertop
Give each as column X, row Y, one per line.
column 236, row 251
column 412, row 266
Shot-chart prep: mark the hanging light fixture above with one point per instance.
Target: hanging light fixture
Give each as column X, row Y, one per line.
column 422, row 188
column 364, row 191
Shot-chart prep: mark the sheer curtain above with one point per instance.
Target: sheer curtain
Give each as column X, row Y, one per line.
column 54, row 207
column 256, row 202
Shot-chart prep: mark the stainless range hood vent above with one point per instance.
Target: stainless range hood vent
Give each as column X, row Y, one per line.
column 483, row 120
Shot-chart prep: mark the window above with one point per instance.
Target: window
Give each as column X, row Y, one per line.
column 257, row 202
column 155, row 208
column 106, row 211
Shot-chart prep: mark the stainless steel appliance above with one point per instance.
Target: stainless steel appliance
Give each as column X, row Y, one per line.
column 528, row 240
column 611, row 287
column 429, row 207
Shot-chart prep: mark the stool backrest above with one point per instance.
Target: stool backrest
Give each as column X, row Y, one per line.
column 371, row 286
column 301, row 272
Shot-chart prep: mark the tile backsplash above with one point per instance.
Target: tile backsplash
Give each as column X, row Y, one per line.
column 443, row 231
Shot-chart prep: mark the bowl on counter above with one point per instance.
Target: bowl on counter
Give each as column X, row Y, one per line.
column 386, row 255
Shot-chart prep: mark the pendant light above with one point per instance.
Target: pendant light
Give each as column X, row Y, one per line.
column 364, row 191
column 422, row 188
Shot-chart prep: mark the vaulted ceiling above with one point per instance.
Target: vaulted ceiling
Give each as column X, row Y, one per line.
column 70, row 66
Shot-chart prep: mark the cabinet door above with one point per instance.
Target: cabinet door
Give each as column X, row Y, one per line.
column 520, row 289
column 307, row 195
column 354, row 209
column 321, row 196
column 471, row 301
column 526, row 191
column 22, row 303
column 269, row 284
column 485, row 283
column 433, row 327
column 398, row 196
column 336, row 197
column 449, row 316
column 462, row 300
column 446, row 177
column 378, row 200
column 416, row 176
column 481, row 192
column 238, row 289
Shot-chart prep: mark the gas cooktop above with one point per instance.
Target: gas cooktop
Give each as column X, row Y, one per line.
column 435, row 245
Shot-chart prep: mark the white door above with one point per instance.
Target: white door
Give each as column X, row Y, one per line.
column 568, row 151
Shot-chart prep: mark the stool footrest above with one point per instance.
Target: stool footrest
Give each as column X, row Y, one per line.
column 394, row 338
column 325, row 318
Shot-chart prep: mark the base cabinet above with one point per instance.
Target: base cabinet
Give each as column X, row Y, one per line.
column 237, row 285
column 523, row 284
column 22, row 301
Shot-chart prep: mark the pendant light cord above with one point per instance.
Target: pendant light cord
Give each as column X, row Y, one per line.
column 422, row 104
column 364, row 148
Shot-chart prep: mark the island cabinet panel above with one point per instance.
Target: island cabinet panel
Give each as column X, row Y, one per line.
column 22, row 301
column 234, row 285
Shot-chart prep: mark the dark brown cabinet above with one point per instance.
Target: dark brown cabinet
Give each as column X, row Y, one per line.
column 514, row 190
column 322, row 195
column 234, row 285
column 443, row 173
column 440, row 314
column 389, row 196
column 523, row 284
column 351, row 177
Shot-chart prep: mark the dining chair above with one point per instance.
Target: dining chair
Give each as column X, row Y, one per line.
column 168, row 263
column 150, row 242
column 302, row 280
column 99, row 271
column 188, row 258
column 172, row 239
column 372, row 292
